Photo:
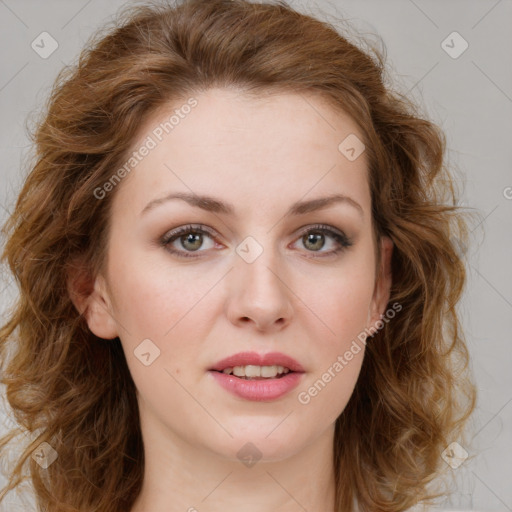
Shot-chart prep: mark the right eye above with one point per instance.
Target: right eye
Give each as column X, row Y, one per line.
column 190, row 238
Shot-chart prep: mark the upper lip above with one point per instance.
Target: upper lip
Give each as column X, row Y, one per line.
column 253, row 358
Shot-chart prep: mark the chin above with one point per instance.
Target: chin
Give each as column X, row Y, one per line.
column 262, row 442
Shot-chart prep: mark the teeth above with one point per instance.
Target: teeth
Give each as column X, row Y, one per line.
column 251, row 371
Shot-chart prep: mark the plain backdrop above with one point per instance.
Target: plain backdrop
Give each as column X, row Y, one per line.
column 466, row 90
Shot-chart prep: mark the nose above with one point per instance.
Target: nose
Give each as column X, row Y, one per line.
column 259, row 295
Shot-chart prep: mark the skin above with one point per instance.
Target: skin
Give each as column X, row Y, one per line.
column 261, row 155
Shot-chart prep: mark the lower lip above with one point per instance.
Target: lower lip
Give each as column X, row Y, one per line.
column 258, row 390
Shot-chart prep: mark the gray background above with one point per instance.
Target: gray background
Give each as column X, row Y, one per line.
column 469, row 96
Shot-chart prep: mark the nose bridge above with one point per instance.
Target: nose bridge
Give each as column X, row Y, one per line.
column 258, row 286
column 258, row 265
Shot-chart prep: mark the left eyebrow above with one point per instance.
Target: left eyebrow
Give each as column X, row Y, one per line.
column 214, row 205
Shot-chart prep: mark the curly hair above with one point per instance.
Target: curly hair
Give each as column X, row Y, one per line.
column 68, row 388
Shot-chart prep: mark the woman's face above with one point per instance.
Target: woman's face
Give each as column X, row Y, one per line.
column 260, row 277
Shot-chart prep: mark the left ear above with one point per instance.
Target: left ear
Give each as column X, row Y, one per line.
column 383, row 282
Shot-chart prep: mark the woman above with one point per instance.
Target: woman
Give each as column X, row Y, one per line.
column 238, row 285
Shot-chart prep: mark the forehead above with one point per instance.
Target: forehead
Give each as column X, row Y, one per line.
column 247, row 149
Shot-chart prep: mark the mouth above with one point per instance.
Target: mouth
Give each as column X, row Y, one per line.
column 253, row 365
column 258, row 377
column 254, row 372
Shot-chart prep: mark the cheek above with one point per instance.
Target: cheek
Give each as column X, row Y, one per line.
column 324, row 397
column 171, row 308
column 154, row 300
column 343, row 308
column 344, row 303
column 338, row 357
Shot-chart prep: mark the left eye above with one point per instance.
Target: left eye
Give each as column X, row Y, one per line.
column 314, row 237
column 191, row 239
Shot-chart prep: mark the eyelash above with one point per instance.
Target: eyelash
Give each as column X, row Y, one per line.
column 340, row 237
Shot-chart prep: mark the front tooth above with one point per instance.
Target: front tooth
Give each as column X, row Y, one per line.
column 253, row 371
column 239, row 371
column 270, row 371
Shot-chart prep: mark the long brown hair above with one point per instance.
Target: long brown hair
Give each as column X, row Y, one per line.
column 74, row 391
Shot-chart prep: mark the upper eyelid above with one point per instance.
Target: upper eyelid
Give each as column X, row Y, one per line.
column 214, row 233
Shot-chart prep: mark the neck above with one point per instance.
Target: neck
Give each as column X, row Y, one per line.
column 182, row 477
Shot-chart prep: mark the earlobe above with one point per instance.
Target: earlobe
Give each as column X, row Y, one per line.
column 91, row 299
column 383, row 282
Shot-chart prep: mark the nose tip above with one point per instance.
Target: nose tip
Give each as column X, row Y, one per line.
column 259, row 296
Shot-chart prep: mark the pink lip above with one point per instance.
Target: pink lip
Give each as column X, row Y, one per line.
column 270, row 359
column 258, row 390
